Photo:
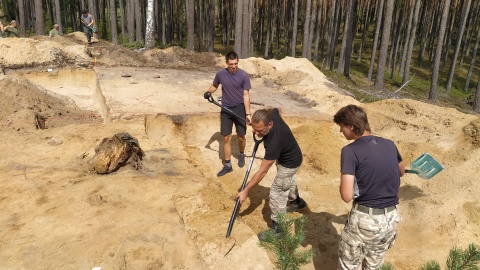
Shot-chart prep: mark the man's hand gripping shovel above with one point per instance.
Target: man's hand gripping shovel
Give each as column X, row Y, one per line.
column 425, row 166
column 209, row 97
column 237, row 203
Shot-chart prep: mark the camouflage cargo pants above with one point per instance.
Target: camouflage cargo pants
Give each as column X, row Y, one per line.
column 366, row 238
column 284, row 188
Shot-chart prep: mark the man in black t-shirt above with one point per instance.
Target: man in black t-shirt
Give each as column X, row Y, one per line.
column 282, row 148
column 371, row 168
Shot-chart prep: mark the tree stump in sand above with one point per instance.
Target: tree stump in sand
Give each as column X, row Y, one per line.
column 115, row 152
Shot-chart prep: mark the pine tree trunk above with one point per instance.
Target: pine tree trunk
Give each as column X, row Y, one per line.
column 113, row 21
column 269, row 8
column 406, row 72
column 395, row 26
column 467, row 36
column 58, row 17
column 138, row 21
column 149, row 29
column 246, row 29
column 334, row 33
column 294, row 29
column 238, row 26
column 260, row 26
column 306, row 28
column 123, row 18
column 365, row 30
column 348, row 50
column 407, row 37
column 378, row 23
column 92, row 9
column 190, row 9
column 472, row 62
column 448, row 41
column 21, row 17
column 210, row 25
column 311, row 30
column 422, row 28
column 476, row 100
column 382, row 58
column 397, row 42
column 461, row 27
column 346, row 35
column 39, row 22
column 131, row 21
column 432, row 96
column 318, row 31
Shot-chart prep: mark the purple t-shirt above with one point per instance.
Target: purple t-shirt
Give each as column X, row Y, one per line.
column 374, row 163
column 233, row 86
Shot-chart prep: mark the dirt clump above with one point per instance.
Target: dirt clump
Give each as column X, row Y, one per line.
column 473, row 130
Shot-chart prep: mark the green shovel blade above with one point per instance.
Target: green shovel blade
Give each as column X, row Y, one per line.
column 425, row 166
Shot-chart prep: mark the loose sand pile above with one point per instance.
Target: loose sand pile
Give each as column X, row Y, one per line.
column 173, row 213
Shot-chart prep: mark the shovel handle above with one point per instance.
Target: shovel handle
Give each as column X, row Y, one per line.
column 210, row 99
column 237, row 203
column 411, row 171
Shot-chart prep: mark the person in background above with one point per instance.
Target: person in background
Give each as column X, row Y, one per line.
column 2, row 27
column 371, row 168
column 87, row 22
column 281, row 148
column 236, row 97
column 54, row 31
column 11, row 29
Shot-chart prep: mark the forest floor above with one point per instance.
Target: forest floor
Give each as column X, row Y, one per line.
column 173, row 213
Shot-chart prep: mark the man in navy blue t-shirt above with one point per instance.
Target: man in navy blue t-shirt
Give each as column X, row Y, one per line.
column 236, row 97
column 371, row 168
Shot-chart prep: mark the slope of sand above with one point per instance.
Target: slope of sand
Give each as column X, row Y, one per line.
column 173, row 213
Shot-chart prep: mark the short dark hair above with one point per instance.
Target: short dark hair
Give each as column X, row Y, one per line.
column 85, row 11
column 262, row 115
column 231, row 55
column 352, row 115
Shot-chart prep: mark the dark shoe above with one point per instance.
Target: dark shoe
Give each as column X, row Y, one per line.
column 297, row 204
column 273, row 230
column 226, row 169
column 241, row 160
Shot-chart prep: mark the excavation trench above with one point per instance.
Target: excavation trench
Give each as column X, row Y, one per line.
column 174, row 212
column 82, row 86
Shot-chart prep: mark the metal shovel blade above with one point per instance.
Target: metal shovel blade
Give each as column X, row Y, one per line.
column 425, row 166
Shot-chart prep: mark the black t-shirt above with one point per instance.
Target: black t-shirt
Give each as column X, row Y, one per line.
column 280, row 144
column 374, row 163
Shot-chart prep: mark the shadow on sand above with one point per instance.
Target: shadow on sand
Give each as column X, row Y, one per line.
column 320, row 234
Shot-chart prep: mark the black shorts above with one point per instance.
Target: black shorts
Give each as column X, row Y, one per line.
column 227, row 120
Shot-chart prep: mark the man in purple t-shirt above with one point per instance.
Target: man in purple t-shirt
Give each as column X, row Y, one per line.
column 236, row 97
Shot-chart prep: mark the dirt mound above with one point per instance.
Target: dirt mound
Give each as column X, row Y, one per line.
column 72, row 50
column 21, row 100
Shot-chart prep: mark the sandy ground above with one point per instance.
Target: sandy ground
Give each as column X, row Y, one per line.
column 174, row 213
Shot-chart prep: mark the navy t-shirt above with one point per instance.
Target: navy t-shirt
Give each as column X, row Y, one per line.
column 374, row 163
column 233, row 86
column 280, row 144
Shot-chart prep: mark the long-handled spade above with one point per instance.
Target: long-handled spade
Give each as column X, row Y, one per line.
column 209, row 97
column 237, row 203
column 425, row 166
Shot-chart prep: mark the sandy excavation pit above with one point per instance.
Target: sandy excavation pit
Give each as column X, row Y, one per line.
column 174, row 213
